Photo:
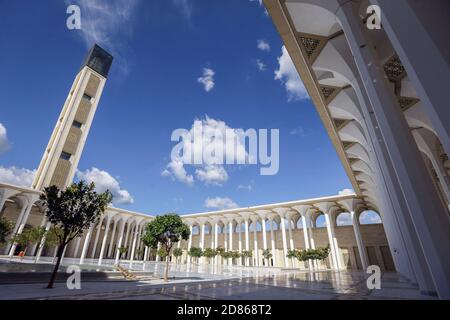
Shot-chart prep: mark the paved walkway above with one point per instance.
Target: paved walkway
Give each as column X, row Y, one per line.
column 204, row 282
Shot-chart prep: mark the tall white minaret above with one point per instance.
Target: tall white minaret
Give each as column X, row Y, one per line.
column 66, row 144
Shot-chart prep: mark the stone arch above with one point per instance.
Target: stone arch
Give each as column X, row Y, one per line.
column 343, row 219
column 369, row 217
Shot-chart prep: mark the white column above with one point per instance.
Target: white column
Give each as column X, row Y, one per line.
column 306, row 239
column 105, row 237
column 432, row 230
column 230, row 230
column 20, row 224
column 240, row 241
column 42, row 243
column 272, row 242
column 255, row 244
column 130, row 227
column 291, row 239
column 202, row 240
column 99, row 229
column 119, row 243
column 77, row 246
column 158, row 246
column 189, row 258
column 264, row 231
column 86, row 244
column 111, row 241
column 359, row 241
column 247, row 240
column 283, row 232
column 331, row 241
column 311, row 239
column 135, row 239
column 216, row 240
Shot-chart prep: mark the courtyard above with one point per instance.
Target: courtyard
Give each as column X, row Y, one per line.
column 197, row 282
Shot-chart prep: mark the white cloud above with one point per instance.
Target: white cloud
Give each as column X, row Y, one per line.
column 261, row 65
column 297, row 131
column 17, row 176
column 185, row 8
column 210, row 174
column 4, row 143
column 176, row 170
column 103, row 20
column 263, row 45
column 207, row 79
column 346, row 191
column 288, row 75
column 248, row 187
column 103, row 181
column 220, row 203
column 369, row 217
column 344, row 219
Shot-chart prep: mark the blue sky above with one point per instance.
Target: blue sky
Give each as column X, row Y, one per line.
column 162, row 49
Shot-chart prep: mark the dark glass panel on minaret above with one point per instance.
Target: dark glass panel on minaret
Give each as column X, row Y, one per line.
column 99, row 60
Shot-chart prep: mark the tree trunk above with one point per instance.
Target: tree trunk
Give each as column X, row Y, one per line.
column 166, row 272
column 58, row 262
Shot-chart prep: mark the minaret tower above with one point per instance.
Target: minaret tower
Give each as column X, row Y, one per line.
column 66, row 144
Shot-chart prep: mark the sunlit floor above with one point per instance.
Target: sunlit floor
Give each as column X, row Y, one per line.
column 209, row 282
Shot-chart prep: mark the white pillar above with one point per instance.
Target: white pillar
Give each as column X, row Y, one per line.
column 306, row 239
column 283, row 232
column 135, row 239
column 230, row 230
column 158, row 246
column 20, row 224
column 331, row 241
column 291, row 240
column 105, row 237
column 119, row 243
column 86, row 244
column 111, row 241
column 99, row 229
column 272, row 242
column 247, row 240
column 77, row 246
column 264, row 231
column 240, row 242
column 421, row 198
column 189, row 258
column 216, row 240
column 359, row 241
column 255, row 243
column 202, row 241
column 42, row 243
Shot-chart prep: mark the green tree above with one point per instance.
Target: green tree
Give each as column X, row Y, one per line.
column 122, row 250
column 6, row 227
column 195, row 253
column 209, row 253
column 72, row 210
column 28, row 237
column 138, row 254
column 166, row 230
column 267, row 254
column 177, row 253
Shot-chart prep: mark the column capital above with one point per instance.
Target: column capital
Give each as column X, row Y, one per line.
column 350, row 204
column 245, row 215
column 263, row 213
column 302, row 209
column 281, row 211
column 325, row 207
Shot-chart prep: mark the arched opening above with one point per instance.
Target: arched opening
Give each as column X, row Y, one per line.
column 319, row 222
column 369, row 217
column 343, row 219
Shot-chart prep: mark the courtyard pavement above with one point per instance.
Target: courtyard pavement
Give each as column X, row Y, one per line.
column 213, row 282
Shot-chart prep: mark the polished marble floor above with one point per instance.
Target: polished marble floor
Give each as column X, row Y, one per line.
column 208, row 282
